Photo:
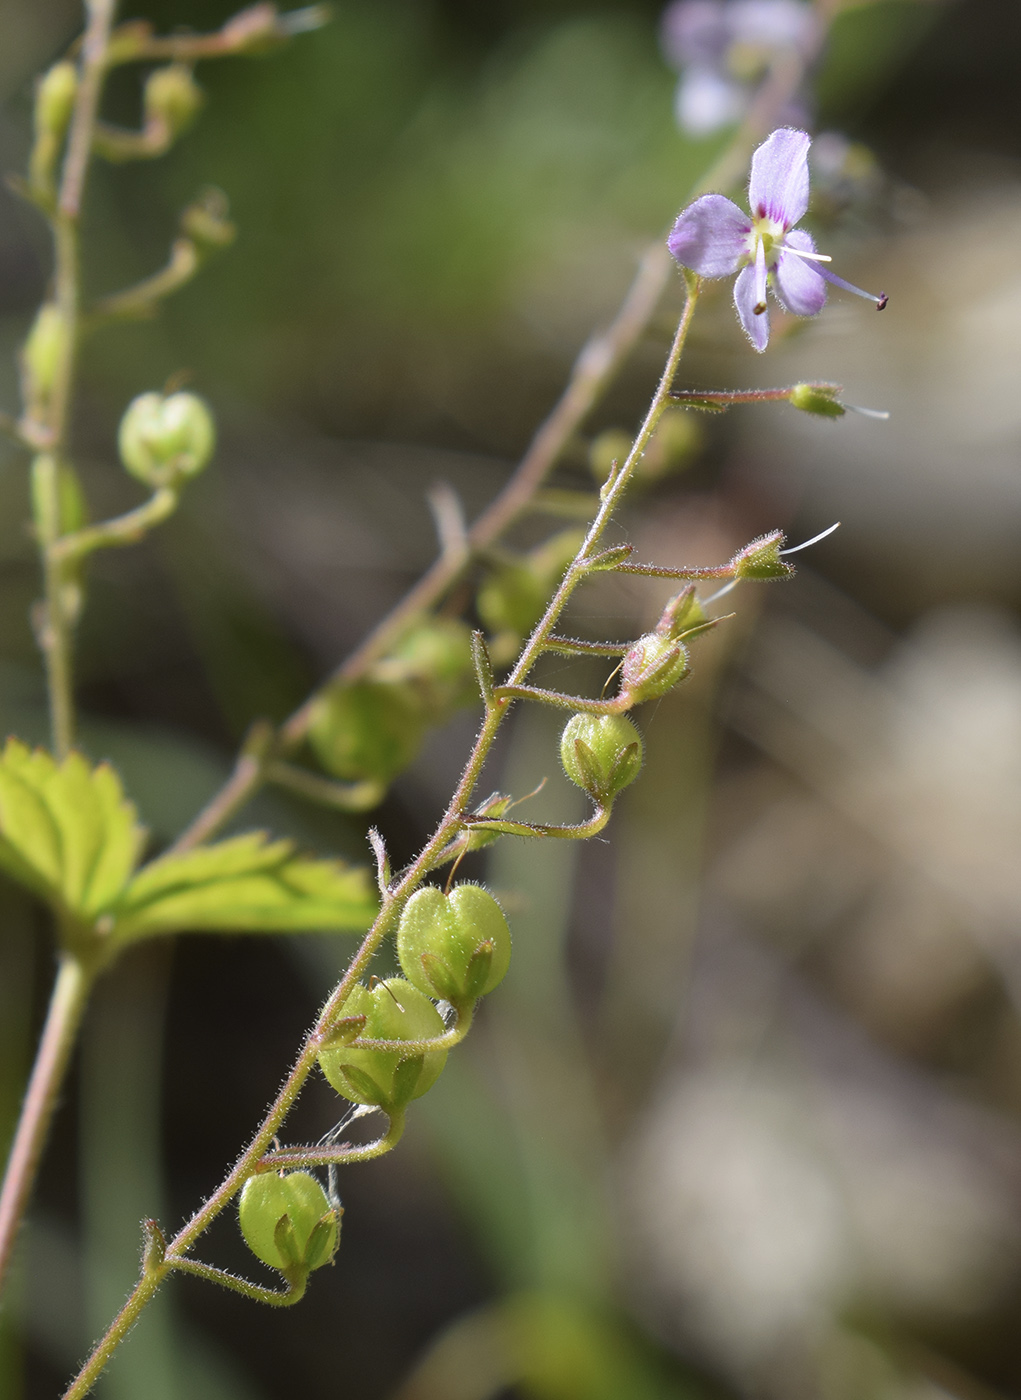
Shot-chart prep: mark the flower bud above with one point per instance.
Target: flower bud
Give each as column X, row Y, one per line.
column 54, row 99
column 288, row 1222
column 683, row 615
column 44, row 351
column 761, row 559
column 367, row 731
column 818, row 398
column 454, row 946
column 172, row 99
column 393, row 1010
column 653, row 666
column 162, row 440
column 601, row 753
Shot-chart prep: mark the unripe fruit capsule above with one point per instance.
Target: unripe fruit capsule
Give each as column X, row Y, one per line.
column 601, row 753
column 287, row 1221
column 455, row 946
column 653, row 666
column 162, row 439
column 393, row 1010
column 367, row 731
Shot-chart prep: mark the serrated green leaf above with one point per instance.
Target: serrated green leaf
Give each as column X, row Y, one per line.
column 66, row 830
column 247, row 884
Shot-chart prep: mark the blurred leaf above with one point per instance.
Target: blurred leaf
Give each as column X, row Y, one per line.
column 66, row 830
column 246, row 884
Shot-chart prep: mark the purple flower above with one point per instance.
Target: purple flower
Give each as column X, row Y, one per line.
column 722, row 47
column 715, row 238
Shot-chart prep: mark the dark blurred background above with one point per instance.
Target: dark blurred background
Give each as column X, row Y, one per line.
column 744, row 1118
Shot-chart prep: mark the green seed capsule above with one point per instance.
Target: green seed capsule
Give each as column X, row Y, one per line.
column 393, row 1010
column 653, row 666
column 601, row 753
column 435, row 659
column 288, row 1222
column 172, row 98
column 43, row 352
column 163, row 439
column 368, row 731
column 54, row 99
column 457, row 946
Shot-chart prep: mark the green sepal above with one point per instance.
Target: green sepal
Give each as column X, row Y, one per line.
column 285, row 1243
column 364, row 1088
column 405, row 1081
column 483, row 664
column 247, row 884
column 154, row 1247
column 820, row 399
column 322, row 1242
column 480, row 970
column 610, row 558
column 761, row 559
column 436, row 978
column 342, row 1032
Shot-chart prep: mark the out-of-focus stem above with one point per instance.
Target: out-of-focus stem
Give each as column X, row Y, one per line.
column 71, row 988
column 70, row 994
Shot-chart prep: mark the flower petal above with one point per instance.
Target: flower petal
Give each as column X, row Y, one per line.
column 798, row 284
column 746, row 299
column 694, row 31
column 778, row 187
column 710, row 236
column 706, row 100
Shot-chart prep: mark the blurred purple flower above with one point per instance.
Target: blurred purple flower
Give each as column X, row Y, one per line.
column 715, row 238
column 721, row 47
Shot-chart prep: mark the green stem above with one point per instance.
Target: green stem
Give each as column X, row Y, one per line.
column 67, row 1004
column 336, row 1154
column 122, row 1324
column 255, row 1155
column 121, row 530
column 73, row 981
column 276, row 1299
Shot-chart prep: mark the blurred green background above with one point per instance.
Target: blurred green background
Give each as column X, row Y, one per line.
column 744, row 1118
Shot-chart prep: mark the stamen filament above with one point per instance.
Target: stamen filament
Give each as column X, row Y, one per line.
column 880, row 300
column 804, row 253
column 760, row 278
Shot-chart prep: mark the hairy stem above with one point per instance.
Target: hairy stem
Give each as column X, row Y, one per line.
column 451, row 824
column 67, row 1004
column 600, row 360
